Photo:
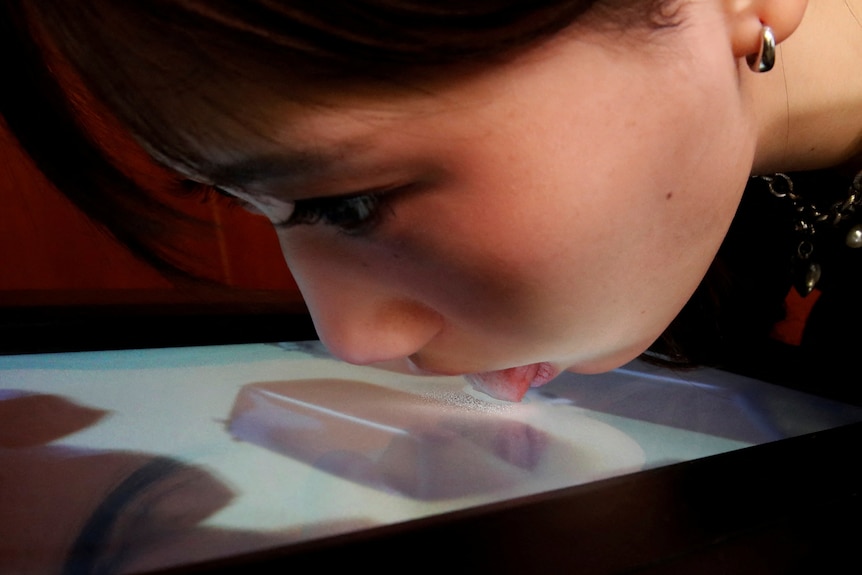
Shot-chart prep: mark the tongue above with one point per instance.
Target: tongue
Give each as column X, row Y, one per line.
column 506, row 384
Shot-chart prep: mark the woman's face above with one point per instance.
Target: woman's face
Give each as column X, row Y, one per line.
column 556, row 212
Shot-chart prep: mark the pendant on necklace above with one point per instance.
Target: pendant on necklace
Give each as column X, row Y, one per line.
column 806, row 276
column 806, row 272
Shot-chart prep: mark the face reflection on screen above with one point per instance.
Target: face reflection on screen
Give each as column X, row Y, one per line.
column 397, row 441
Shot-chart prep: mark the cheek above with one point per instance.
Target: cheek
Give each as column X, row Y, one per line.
column 413, row 262
column 609, row 235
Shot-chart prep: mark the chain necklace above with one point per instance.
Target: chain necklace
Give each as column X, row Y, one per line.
column 811, row 222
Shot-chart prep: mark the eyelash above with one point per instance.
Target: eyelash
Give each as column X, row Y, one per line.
column 355, row 214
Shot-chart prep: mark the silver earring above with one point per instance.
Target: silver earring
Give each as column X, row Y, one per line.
column 764, row 60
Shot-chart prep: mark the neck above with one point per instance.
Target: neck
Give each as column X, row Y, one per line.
column 809, row 107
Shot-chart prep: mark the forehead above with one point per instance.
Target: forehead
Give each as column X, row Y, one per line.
column 323, row 131
column 329, row 135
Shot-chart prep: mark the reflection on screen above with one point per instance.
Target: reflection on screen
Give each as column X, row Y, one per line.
column 153, row 458
column 393, row 440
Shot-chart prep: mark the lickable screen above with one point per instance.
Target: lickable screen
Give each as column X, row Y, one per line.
column 144, row 459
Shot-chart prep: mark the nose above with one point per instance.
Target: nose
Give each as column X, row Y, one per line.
column 361, row 320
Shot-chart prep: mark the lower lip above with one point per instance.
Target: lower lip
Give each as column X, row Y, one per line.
column 513, row 383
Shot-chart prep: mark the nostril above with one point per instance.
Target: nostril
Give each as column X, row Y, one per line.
column 391, row 332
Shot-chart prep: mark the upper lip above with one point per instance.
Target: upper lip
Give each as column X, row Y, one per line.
column 420, row 370
column 414, row 365
column 548, row 370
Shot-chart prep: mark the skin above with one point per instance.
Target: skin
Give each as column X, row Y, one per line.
column 560, row 208
column 802, row 124
column 548, row 236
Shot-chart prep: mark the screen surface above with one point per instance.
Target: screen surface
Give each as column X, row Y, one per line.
column 140, row 460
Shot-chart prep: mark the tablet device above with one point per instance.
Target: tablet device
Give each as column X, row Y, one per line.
column 224, row 457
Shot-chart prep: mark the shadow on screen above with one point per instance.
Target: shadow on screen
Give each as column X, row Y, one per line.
column 77, row 511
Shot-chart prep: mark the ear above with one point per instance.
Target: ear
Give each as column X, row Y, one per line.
column 747, row 18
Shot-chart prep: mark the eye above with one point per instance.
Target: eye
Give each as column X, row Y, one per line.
column 356, row 215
